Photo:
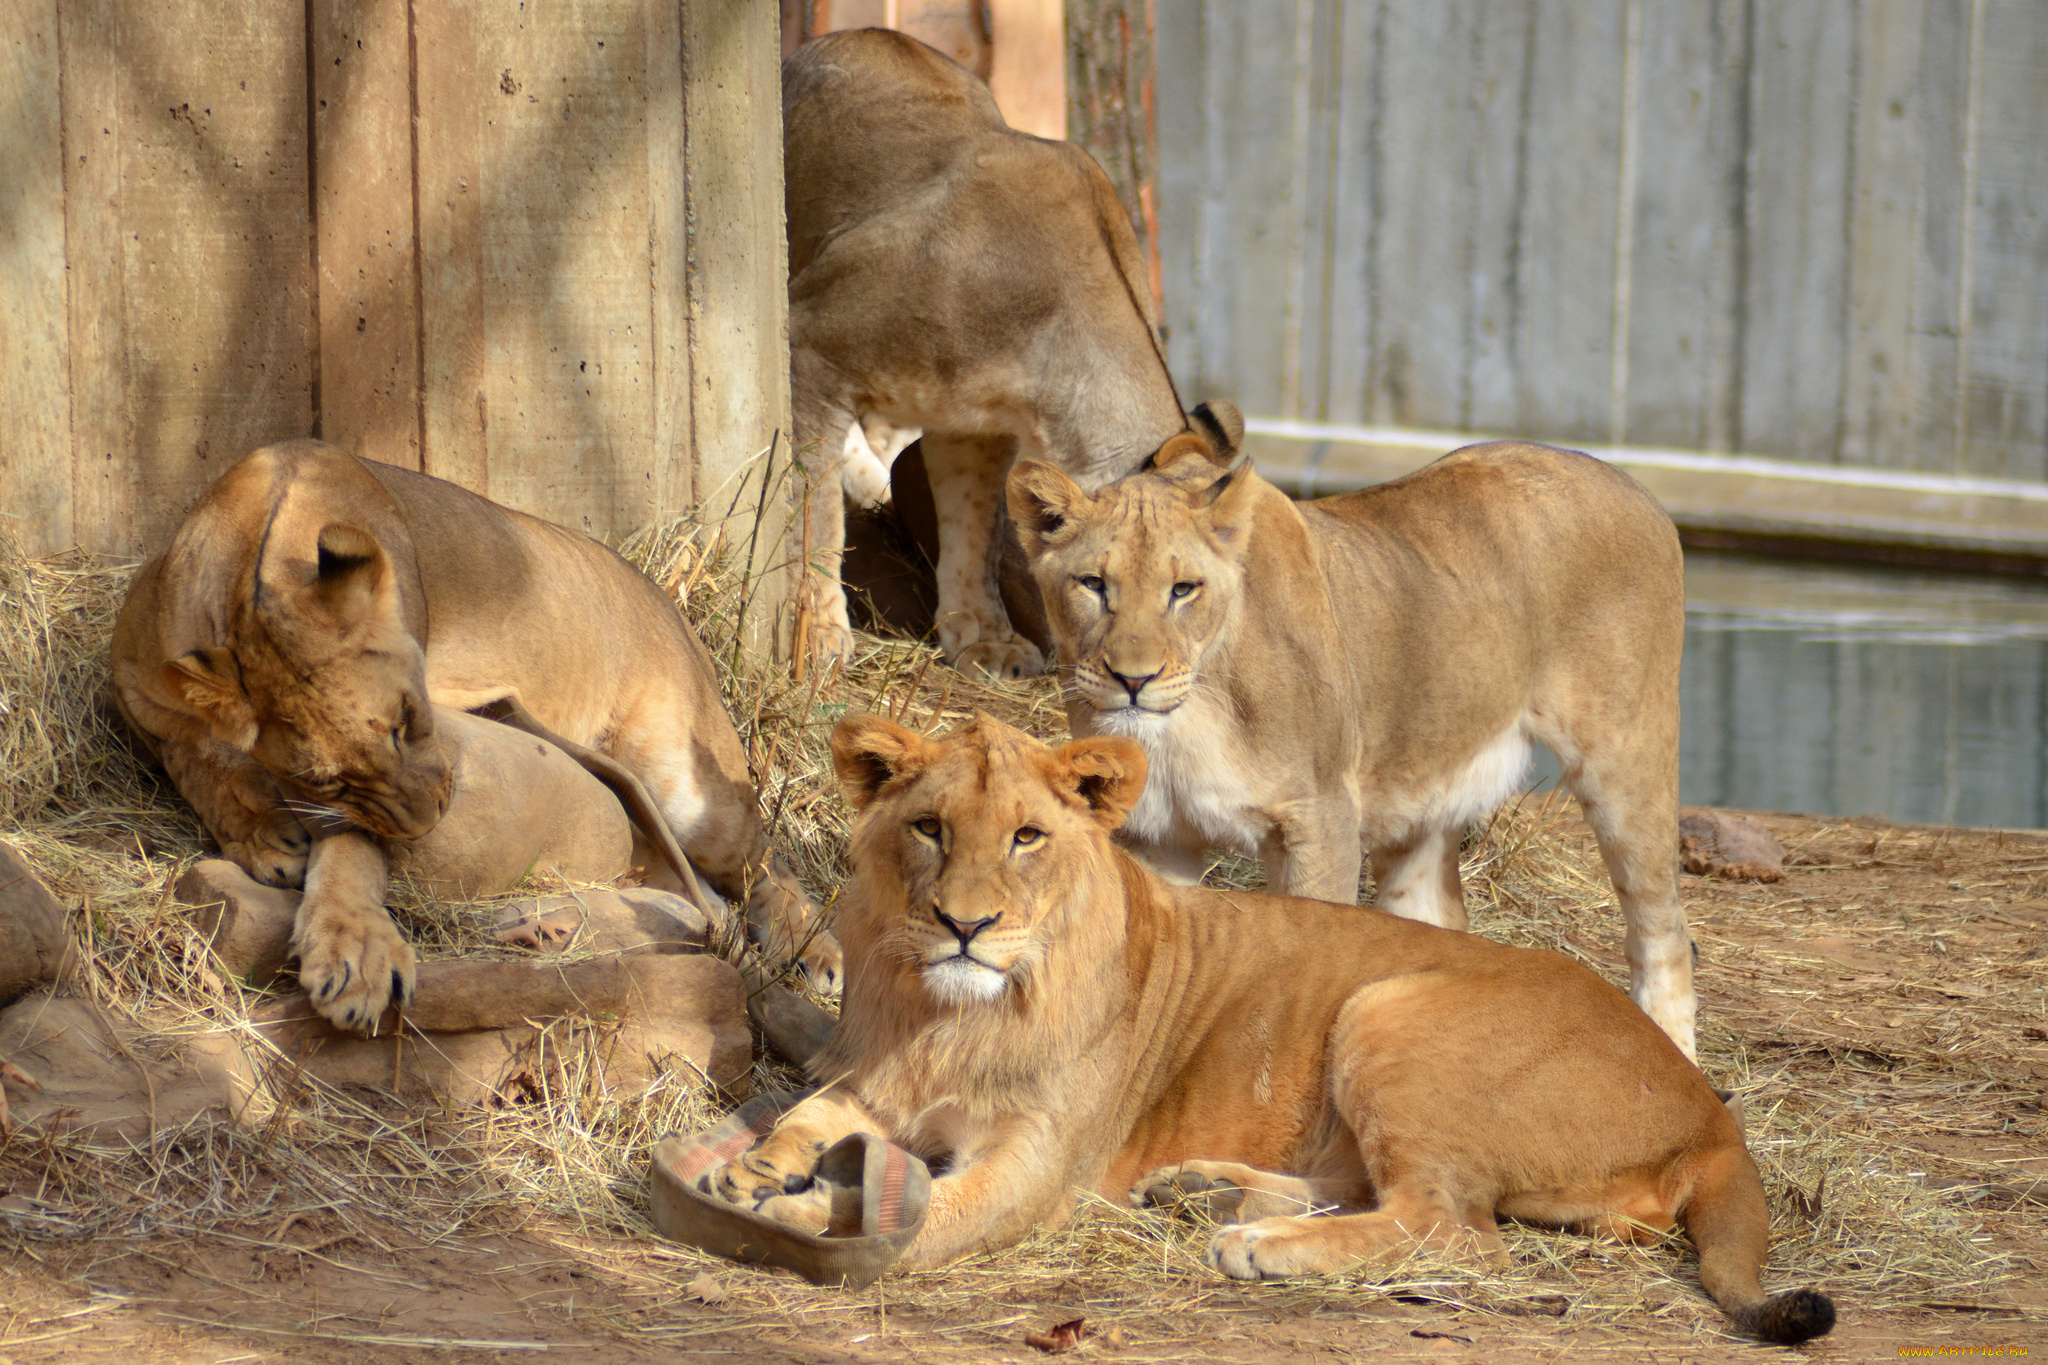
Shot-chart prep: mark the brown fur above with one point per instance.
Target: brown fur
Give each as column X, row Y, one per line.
column 1263, row 1055
column 277, row 659
column 951, row 274
column 1366, row 674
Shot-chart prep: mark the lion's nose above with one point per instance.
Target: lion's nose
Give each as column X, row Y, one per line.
column 1133, row 685
column 964, row 930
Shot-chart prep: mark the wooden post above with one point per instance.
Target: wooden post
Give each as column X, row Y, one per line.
column 1110, row 69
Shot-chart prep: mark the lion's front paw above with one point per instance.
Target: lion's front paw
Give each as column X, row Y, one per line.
column 1189, row 1192
column 1252, row 1251
column 778, row 1167
column 275, row 851
column 1015, row 657
column 353, row 963
column 809, row 1212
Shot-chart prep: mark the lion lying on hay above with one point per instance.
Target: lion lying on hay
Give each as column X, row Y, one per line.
column 1031, row 1008
column 282, row 659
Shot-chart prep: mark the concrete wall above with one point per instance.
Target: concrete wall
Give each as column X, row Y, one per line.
column 536, row 250
column 1812, row 229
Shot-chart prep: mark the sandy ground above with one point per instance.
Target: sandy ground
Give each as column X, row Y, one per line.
column 1891, row 996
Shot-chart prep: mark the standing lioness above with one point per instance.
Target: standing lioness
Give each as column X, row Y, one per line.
column 1369, row 672
column 1035, row 1009
column 280, row 656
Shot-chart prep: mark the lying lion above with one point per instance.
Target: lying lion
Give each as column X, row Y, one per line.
column 278, row 660
column 1368, row 673
column 1033, row 1008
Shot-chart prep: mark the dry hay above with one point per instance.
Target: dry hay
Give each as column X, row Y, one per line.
column 568, row 1167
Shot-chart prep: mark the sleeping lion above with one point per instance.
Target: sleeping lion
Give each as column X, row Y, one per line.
column 1032, row 1010
column 283, row 656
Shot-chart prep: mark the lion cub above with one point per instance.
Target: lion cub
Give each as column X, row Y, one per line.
column 1031, row 1006
column 1367, row 673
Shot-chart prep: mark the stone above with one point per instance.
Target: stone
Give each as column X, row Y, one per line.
column 1717, row 843
column 87, row 1076
column 498, row 1032
column 519, row 805
column 35, row 937
column 247, row 924
column 637, row 919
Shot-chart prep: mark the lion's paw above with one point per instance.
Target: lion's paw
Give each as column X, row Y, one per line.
column 828, row 630
column 1188, row 1191
column 809, row 1212
column 1257, row 1251
column 823, row 963
column 1012, row 658
column 353, row 964
column 780, row 1166
column 275, row 851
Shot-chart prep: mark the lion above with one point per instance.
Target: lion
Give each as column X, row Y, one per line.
column 951, row 275
column 1368, row 673
column 277, row 660
column 1036, row 1011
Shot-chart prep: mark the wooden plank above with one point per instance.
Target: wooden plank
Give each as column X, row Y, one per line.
column 1110, row 108
column 1884, row 207
column 568, row 376
column 1940, row 120
column 1348, row 332
column 1796, row 296
column 668, row 244
column 1424, row 245
column 1183, row 104
column 739, row 278
column 454, row 88
column 218, row 279
column 2005, row 375
column 104, row 472
column 363, row 228
column 1250, row 213
column 1028, row 76
column 1565, row 326
column 1503, row 35
column 1318, row 102
column 1685, row 292
column 35, row 359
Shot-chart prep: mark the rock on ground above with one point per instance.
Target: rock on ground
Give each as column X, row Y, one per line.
column 1716, row 843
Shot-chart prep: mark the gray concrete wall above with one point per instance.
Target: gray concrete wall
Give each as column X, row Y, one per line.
column 1810, row 229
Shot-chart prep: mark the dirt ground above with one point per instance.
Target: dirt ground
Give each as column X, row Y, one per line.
column 1884, row 1010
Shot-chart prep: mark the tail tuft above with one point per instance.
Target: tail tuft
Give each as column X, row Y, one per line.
column 1795, row 1315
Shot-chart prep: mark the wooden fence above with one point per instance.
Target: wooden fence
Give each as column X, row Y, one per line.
column 1813, row 229
column 535, row 249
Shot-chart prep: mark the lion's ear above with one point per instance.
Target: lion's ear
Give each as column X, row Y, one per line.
column 1228, row 504
column 1220, row 420
column 1043, row 502
column 1186, row 460
column 208, row 682
column 354, row 579
column 1109, row 774
column 870, row 752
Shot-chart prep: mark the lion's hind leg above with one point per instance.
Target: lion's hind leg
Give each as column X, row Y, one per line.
column 1409, row 1220
column 1231, row 1192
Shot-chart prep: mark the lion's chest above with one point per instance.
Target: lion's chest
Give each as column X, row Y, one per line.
column 1197, row 782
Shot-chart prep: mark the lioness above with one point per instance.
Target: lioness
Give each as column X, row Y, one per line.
column 277, row 659
column 1035, row 1009
column 1368, row 672
column 951, row 274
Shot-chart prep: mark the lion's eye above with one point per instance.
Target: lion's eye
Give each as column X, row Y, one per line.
column 928, row 827
column 1181, row 590
column 1028, row 836
column 397, row 733
column 1092, row 582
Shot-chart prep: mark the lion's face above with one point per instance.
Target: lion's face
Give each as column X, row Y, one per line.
column 1139, row 580
column 978, row 853
column 326, row 688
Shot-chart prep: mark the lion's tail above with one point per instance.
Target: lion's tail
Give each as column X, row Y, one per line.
column 1731, row 1227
